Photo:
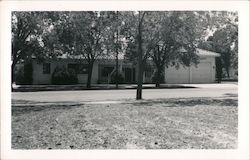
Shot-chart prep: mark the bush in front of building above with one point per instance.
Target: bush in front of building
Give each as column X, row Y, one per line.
column 62, row 75
column 156, row 79
column 28, row 70
column 119, row 78
column 23, row 75
column 19, row 76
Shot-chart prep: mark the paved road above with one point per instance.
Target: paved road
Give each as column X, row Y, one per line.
column 203, row 90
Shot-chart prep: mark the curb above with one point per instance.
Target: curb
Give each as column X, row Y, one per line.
column 70, row 88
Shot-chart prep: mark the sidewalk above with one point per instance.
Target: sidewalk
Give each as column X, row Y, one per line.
column 33, row 88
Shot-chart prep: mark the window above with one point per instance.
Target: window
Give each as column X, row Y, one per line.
column 78, row 68
column 73, row 66
column 46, row 68
column 106, row 71
column 83, row 69
column 148, row 72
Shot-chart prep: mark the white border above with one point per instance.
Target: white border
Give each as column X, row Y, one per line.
column 5, row 61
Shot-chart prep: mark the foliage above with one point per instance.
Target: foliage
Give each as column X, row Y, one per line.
column 225, row 42
column 82, row 35
column 117, row 78
column 19, row 76
column 158, row 77
column 114, row 41
column 27, row 30
column 61, row 75
column 224, row 38
column 28, row 73
column 218, row 69
column 113, row 34
column 51, row 39
column 24, row 74
column 179, row 36
column 168, row 38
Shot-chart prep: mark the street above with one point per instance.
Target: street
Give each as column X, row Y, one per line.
column 202, row 90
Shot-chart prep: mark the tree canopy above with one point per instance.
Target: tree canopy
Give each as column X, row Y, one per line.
column 224, row 38
column 168, row 38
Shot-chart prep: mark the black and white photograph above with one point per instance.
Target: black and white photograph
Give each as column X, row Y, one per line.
column 124, row 80
column 75, row 75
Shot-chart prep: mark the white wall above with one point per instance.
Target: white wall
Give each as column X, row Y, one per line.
column 203, row 73
column 40, row 78
column 180, row 75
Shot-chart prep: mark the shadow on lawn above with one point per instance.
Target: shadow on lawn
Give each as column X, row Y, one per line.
column 23, row 107
column 28, row 107
column 231, row 95
column 190, row 102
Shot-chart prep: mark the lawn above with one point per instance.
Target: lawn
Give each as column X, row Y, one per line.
column 197, row 123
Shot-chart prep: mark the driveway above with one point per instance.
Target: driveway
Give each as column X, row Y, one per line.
column 202, row 90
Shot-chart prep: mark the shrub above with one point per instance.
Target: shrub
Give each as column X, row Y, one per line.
column 119, row 78
column 61, row 75
column 19, row 76
column 28, row 71
column 24, row 74
column 155, row 77
column 72, row 78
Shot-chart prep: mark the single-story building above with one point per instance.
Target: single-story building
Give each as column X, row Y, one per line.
column 204, row 72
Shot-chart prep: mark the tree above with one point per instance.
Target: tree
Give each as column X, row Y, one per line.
column 89, row 29
column 114, row 39
column 27, row 30
column 177, row 42
column 224, row 40
column 58, row 40
column 140, row 55
column 141, row 44
column 168, row 38
column 141, row 38
column 86, row 36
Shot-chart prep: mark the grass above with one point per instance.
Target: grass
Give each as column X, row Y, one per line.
column 197, row 123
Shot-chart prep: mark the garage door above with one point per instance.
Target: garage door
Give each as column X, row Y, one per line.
column 173, row 75
column 203, row 73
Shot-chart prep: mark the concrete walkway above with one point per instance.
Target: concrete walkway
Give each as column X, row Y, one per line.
column 31, row 88
column 202, row 90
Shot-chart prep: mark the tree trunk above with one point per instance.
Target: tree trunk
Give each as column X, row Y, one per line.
column 116, row 72
column 140, row 67
column 158, row 77
column 157, row 83
column 227, row 70
column 218, row 69
column 117, row 52
column 139, row 81
column 12, row 75
column 90, row 69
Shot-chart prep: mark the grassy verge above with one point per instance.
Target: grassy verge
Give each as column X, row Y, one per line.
column 199, row 123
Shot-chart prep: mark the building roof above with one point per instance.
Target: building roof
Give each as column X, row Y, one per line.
column 199, row 52
column 206, row 53
column 111, row 56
